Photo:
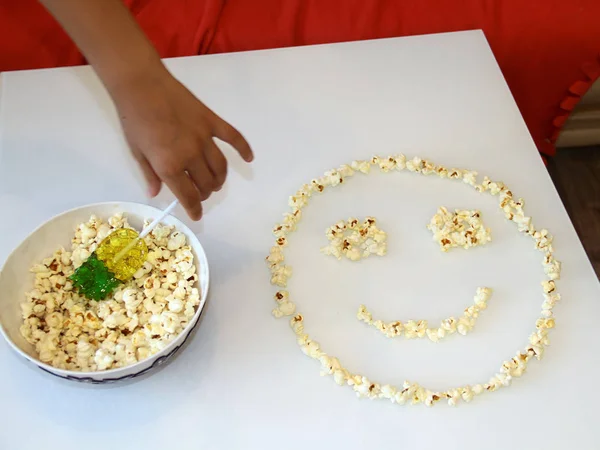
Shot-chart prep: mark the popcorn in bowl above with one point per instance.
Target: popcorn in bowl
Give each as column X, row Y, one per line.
column 138, row 320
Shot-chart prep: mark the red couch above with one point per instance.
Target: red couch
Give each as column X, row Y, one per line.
column 548, row 50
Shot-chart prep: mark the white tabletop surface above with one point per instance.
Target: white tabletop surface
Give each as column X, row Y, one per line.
column 242, row 382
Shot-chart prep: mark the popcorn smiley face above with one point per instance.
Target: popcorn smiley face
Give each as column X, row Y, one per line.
column 461, row 228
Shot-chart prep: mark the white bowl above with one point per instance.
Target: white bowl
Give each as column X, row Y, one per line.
column 15, row 280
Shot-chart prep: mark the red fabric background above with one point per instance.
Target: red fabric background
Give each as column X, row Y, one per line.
column 541, row 45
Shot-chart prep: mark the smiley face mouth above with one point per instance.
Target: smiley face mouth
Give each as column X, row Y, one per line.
column 412, row 392
column 413, row 329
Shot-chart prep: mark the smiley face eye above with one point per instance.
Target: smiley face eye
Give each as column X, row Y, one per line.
column 411, row 392
column 355, row 240
column 462, row 228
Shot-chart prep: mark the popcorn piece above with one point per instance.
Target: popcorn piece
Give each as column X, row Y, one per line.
column 176, row 305
column 353, row 254
column 298, row 202
column 496, row 187
column 466, row 393
column 296, row 323
column 388, row 392
column 427, row 167
column 414, row 165
column 524, row 224
column 361, row 166
column 117, row 221
column 284, row 306
column 433, row 335
column 431, row 398
column 176, row 241
column 346, row 171
column 333, row 178
column 441, row 171
column 103, row 360
column 453, row 397
column 463, row 326
column 280, row 275
column 387, row 164
column 543, row 241
column 552, row 267
column 400, row 160
column 470, row 177
column 548, row 286
column 455, row 174
column 284, row 309
column 78, row 257
column 312, row 349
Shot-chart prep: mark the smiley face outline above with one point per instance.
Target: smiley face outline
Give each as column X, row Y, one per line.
column 410, row 391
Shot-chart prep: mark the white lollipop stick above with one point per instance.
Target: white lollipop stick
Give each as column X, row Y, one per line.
column 146, row 230
column 159, row 219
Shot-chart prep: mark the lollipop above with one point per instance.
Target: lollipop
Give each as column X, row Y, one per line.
column 120, row 255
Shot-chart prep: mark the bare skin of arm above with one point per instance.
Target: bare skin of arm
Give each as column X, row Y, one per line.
column 170, row 132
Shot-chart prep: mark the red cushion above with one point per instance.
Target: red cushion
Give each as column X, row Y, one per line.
column 541, row 45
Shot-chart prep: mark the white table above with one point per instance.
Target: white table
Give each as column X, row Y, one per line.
column 243, row 382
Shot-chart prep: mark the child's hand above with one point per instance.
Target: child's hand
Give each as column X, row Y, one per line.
column 170, row 133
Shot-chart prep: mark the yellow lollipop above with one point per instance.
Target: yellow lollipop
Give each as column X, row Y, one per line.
column 118, row 257
column 123, row 253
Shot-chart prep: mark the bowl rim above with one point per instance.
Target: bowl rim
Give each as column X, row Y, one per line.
column 123, row 371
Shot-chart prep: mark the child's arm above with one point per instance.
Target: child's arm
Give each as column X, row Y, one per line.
column 169, row 131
